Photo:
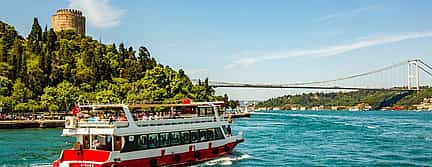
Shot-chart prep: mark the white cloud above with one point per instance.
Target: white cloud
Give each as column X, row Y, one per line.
column 197, row 71
column 252, row 59
column 344, row 14
column 100, row 13
column 327, row 18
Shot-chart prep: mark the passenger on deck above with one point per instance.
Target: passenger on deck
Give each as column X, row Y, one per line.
column 97, row 119
column 111, row 119
column 145, row 117
column 101, row 117
column 122, row 117
column 96, row 143
column 92, row 119
column 77, row 146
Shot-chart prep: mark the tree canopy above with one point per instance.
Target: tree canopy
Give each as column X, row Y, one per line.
column 49, row 71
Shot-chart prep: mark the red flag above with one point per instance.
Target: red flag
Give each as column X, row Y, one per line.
column 186, row 101
column 75, row 110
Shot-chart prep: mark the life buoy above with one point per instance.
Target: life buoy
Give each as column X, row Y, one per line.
column 197, row 154
column 177, row 158
column 226, row 148
column 216, row 151
column 68, row 123
column 153, row 163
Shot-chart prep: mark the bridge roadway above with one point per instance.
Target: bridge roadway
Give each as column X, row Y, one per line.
column 302, row 87
column 417, row 63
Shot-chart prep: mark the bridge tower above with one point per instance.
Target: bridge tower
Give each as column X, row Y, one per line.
column 413, row 74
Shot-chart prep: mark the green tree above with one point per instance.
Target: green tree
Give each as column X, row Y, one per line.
column 60, row 97
column 59, row 68
column 36, row 31
column 20, row 92
column 5, row 86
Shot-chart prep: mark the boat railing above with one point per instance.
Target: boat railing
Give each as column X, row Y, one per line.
column 102, row 124
column 175, row 121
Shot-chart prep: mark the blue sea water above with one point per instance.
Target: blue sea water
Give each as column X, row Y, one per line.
column 280, row 138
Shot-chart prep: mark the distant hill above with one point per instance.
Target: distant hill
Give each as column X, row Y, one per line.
column 376, row 99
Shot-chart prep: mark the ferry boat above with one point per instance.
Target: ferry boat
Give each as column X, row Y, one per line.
column 109, row 135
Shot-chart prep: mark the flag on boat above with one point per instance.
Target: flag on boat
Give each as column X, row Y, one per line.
column 186, row 101
column 75, row 110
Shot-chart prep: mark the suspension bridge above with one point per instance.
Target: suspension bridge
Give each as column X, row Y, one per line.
column 412, row 72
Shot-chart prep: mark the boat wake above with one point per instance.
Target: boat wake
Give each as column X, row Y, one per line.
column 222, row 161
column 41, row 165
column 226, row 160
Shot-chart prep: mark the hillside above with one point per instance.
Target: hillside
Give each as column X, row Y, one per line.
column 50, row 71
column 376, row 99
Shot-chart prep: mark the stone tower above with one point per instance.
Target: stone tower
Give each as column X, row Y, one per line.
column 69, row 19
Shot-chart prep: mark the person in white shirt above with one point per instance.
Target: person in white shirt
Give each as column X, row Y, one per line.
column 151, row 117
column 145, row 117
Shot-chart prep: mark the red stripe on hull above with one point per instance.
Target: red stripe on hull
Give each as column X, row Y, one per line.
column 182, row 159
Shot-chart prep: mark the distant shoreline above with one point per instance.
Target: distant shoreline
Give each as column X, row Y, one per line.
column 344, row 110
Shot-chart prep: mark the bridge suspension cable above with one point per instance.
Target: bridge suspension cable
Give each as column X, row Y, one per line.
column 418, row 64
column 427, row 66
column 352, row 76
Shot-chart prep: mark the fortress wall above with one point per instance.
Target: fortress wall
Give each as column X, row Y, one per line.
column 69, row 19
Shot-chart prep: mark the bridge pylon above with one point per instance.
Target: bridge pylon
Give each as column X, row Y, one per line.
column 413, row 74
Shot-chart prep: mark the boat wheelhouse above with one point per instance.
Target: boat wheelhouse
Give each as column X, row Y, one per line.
column 147, row 135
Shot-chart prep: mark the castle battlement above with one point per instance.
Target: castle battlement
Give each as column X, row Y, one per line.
column 74, row 12
column 69, row 19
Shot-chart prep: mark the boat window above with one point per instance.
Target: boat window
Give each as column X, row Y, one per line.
column 185, row 137
column 218, row 134
column 210, row 134
column 143, row 141
column 205, row 111
column 164, row 139
column 203, row 135
column 153, row 140
column 195, row 137
column 108, row 140
column 102, row 142
column 175, row 138
column 86, row 141
column 117, row 143
column 225, row 129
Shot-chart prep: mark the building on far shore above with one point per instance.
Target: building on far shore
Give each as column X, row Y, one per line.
column 425, row 105
column 68, row 19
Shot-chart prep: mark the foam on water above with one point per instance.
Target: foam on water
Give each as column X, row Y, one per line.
column 371, row 127
column 40, row 165
column 227, row 160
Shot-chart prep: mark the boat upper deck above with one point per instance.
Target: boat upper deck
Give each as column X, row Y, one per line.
column 144, row 115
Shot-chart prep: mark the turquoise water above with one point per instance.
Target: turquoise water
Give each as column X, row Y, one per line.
column 280, row 138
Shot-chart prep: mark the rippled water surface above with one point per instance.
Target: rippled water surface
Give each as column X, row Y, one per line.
column 281, row 138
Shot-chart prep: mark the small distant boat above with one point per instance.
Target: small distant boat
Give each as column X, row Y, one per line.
column 147, row 135
column 240, row 115
column 236, row 113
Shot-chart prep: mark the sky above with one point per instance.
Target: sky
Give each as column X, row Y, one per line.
column 253, row 41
